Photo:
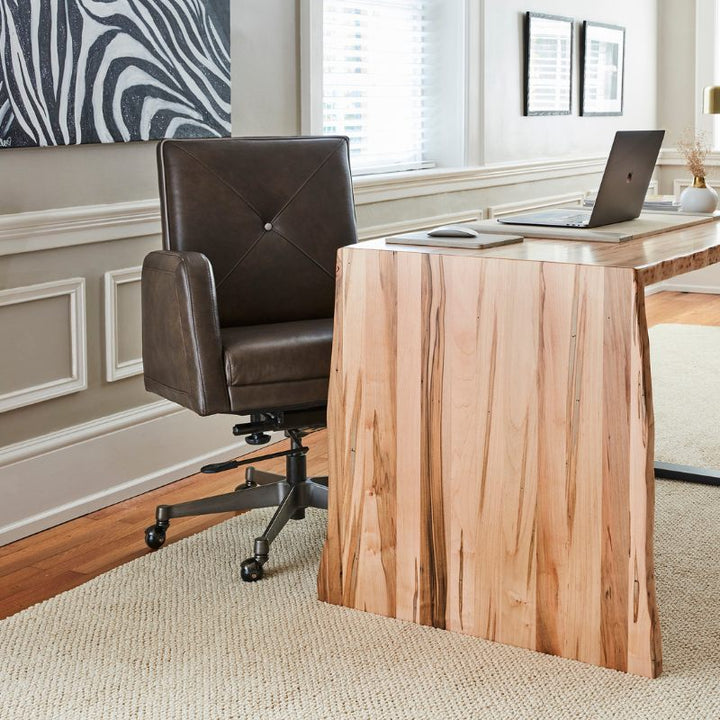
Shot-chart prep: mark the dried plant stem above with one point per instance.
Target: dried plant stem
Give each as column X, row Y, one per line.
column 694, row 149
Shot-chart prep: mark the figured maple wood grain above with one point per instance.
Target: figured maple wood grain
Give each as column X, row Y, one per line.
column 490, row 448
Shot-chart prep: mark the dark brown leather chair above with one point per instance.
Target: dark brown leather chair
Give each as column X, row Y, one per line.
column 237, row 309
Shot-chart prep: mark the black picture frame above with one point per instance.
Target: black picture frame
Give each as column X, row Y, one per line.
column 548, row 67
column 602, row 75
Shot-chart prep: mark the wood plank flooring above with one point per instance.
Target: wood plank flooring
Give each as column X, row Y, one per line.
column 47, row 563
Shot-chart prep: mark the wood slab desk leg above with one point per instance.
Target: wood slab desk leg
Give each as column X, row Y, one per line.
column 490, row 445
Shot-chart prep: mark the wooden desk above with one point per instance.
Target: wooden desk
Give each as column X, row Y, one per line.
column 491, row 441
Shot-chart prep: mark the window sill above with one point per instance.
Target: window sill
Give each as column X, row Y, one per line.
column 417, row 183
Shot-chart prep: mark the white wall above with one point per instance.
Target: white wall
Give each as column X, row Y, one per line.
column 685, row 66
column 676, row 58
column 511, row 137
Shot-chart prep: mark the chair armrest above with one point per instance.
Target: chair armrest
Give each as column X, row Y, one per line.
column 181, row 344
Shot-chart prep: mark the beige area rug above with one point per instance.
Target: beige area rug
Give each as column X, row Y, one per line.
column 685, row 363
column 177, row 635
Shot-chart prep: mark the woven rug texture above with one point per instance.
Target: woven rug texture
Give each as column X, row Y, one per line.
column 685, row 363
column 176, row 635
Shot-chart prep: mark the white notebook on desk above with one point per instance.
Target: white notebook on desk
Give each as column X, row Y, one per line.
column 468, row 235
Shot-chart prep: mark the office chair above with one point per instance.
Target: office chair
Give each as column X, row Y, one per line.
column 237, row 309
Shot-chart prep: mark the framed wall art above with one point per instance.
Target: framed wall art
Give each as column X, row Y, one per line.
column 548, row 64
column 73, row 71
column 602, row 69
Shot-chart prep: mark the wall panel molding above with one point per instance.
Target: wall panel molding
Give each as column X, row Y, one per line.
column 66, row 227
column 672, row 156
column 76, row 381
column 114, row 368
column 496, row 211
column 679, row 184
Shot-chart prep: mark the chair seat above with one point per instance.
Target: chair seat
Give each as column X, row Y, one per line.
column 278, row 352
column 280, row 363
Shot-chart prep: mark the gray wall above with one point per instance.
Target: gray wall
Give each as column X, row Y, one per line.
column 264, row 102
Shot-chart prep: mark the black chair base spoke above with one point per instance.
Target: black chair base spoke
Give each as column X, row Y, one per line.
column 292, row 494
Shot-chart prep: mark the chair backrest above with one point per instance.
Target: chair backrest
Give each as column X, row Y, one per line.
column 268, row 213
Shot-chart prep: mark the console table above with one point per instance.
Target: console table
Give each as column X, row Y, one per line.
column 491, row 441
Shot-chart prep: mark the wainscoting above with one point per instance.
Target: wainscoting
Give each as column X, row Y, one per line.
column 56, row 477
column 77, row 429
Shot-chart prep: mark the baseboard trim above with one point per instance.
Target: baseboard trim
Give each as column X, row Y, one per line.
column 670, row 286
column 89, row 503
column 78, row 470
column 85, row 431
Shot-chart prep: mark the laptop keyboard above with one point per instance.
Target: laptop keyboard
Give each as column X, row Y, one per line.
column 579, row 219
column 558, row 217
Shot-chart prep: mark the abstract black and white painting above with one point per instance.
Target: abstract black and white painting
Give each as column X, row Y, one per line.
column 97, row 71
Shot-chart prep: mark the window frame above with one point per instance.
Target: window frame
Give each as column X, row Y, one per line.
column 311, row 90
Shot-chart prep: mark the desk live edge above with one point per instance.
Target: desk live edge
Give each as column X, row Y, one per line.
column 491, row 439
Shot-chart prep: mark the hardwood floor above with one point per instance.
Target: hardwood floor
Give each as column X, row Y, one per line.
column 683, row 308
column 43, row 565
column 49, row 562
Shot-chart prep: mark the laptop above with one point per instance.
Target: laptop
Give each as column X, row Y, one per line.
column 622, row 190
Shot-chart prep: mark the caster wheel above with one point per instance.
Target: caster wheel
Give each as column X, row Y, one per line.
column 154, row 537
column 246, row 485
column 251, row 570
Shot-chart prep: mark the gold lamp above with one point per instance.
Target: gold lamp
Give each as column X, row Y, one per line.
column 711, row 100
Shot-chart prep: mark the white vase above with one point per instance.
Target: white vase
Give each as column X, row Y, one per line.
column 698, row 198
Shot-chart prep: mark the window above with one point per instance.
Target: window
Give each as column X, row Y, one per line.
column 392, row 80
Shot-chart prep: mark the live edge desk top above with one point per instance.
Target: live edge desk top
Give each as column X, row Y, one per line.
column 491, row 440
column 655, row 258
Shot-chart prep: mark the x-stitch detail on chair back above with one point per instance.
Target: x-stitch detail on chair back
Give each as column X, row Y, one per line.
column 269, row 213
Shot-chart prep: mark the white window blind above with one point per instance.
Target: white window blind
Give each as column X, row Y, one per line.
column 379, row 67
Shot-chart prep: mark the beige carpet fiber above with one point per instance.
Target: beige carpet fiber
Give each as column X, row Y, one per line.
column 686, row 392
column 176, row 634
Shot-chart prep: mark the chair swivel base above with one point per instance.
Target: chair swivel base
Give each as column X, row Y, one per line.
column 292, row 494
